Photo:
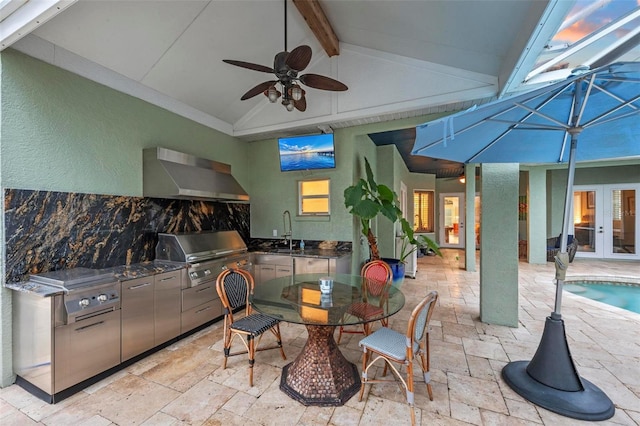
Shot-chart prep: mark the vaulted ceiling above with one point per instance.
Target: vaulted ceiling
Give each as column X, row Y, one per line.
column 399, row 58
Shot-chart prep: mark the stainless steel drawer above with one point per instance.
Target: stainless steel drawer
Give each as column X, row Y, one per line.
column 198, row 295
column 200, row 314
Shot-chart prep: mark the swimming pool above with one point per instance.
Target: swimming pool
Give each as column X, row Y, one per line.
column 620, row 294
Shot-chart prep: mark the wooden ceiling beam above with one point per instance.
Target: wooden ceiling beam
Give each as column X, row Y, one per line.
column 313, row 14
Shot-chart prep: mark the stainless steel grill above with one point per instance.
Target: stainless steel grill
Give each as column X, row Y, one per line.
column 205, row 254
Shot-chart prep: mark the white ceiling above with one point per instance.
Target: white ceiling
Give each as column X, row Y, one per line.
column 400, row 58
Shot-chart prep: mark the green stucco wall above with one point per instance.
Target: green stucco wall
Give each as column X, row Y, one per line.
column 273, row 192
column 62, row 132
column 499, row 244
column 537, row 216
column 6, row 335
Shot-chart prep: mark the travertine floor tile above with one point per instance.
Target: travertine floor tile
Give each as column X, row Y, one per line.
column 184, row 383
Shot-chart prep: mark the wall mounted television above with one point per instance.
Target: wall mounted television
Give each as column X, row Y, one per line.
column 308, row 152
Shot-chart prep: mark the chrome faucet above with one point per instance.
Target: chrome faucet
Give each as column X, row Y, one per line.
column 288, row 233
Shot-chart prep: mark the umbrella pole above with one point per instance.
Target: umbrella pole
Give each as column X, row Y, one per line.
column 550, row 379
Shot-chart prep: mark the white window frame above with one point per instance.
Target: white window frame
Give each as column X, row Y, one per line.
column 301, row 197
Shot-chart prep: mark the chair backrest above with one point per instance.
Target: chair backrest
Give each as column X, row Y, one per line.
column 418, row 326
column 379, row 276
column 234, row 287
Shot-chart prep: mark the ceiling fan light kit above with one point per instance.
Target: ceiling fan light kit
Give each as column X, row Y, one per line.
column 286, row 66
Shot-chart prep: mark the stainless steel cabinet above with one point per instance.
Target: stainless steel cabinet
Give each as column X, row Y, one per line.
column 166, row 302
column 267, row 267
column 86, row 348
column 319, row 265
column 311, row 265
column 270, row 266
column 137, row 316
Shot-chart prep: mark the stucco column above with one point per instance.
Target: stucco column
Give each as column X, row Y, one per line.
column 537, row 216
column 6, row 360
column 499, row 244
column 470, row 217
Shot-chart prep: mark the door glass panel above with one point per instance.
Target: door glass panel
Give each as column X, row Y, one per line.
column 623, row 220
column 452, row 220
column 584, row 220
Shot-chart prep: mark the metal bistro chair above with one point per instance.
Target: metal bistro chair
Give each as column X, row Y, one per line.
column 234, row 286
column 379, row 278
column 391, row 346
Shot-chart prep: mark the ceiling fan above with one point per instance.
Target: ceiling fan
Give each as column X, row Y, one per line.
column 286, row 66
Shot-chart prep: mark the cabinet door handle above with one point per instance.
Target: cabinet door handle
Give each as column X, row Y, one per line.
column 139, row 286
column 79, row 329
column 203, row 309
column 203, row 289
column 168, row 278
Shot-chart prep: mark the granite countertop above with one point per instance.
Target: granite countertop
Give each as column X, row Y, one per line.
column 121, row 273
column 34, row 288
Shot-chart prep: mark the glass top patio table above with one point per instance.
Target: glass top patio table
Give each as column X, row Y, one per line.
column 320, row 375
column 297, row 299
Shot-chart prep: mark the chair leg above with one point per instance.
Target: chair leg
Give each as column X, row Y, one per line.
column 252, row 352
column 279, row 337
column 410, row 391
column 426, row 368
column 363, row 379
column 227, row 347
column 367, row 328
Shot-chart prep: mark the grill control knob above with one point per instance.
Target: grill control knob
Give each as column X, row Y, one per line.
column 84, row 302
column 207, row 272
column 102, row 298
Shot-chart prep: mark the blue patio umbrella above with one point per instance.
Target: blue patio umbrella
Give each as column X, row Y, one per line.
column 592, row 115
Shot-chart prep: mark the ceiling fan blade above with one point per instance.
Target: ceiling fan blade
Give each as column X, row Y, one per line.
column 301, row 105
column 257, row 90
column 299, row 58
column 323, row 83
column 248, row 65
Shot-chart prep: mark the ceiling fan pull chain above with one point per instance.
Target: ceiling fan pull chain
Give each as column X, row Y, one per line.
column 285, row 26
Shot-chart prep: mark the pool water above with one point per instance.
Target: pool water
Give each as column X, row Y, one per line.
column 621, row 295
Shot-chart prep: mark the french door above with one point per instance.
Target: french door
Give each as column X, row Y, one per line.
column 605, row 220
column 451, row 220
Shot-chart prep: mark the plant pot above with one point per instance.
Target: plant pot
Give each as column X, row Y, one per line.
column 397, row 267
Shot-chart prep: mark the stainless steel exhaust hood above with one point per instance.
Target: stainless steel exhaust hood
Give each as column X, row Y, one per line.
column 173, row 174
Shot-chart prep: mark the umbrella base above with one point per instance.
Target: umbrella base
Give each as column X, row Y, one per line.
column 589, row 404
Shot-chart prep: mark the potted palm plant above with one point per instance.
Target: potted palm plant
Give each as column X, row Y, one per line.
column 366, row 200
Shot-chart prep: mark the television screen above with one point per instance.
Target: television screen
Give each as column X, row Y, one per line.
column 307, row 152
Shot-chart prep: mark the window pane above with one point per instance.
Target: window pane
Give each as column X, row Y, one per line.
column 314, row 197
column 315, row 187
column 315, row 205
column 423, row 208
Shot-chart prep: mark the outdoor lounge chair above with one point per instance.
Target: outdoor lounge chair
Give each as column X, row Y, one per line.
column 394, row 347
column 234, row 288
column 553, row 247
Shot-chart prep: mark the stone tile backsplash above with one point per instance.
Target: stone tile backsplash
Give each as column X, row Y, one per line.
column 46, row 231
